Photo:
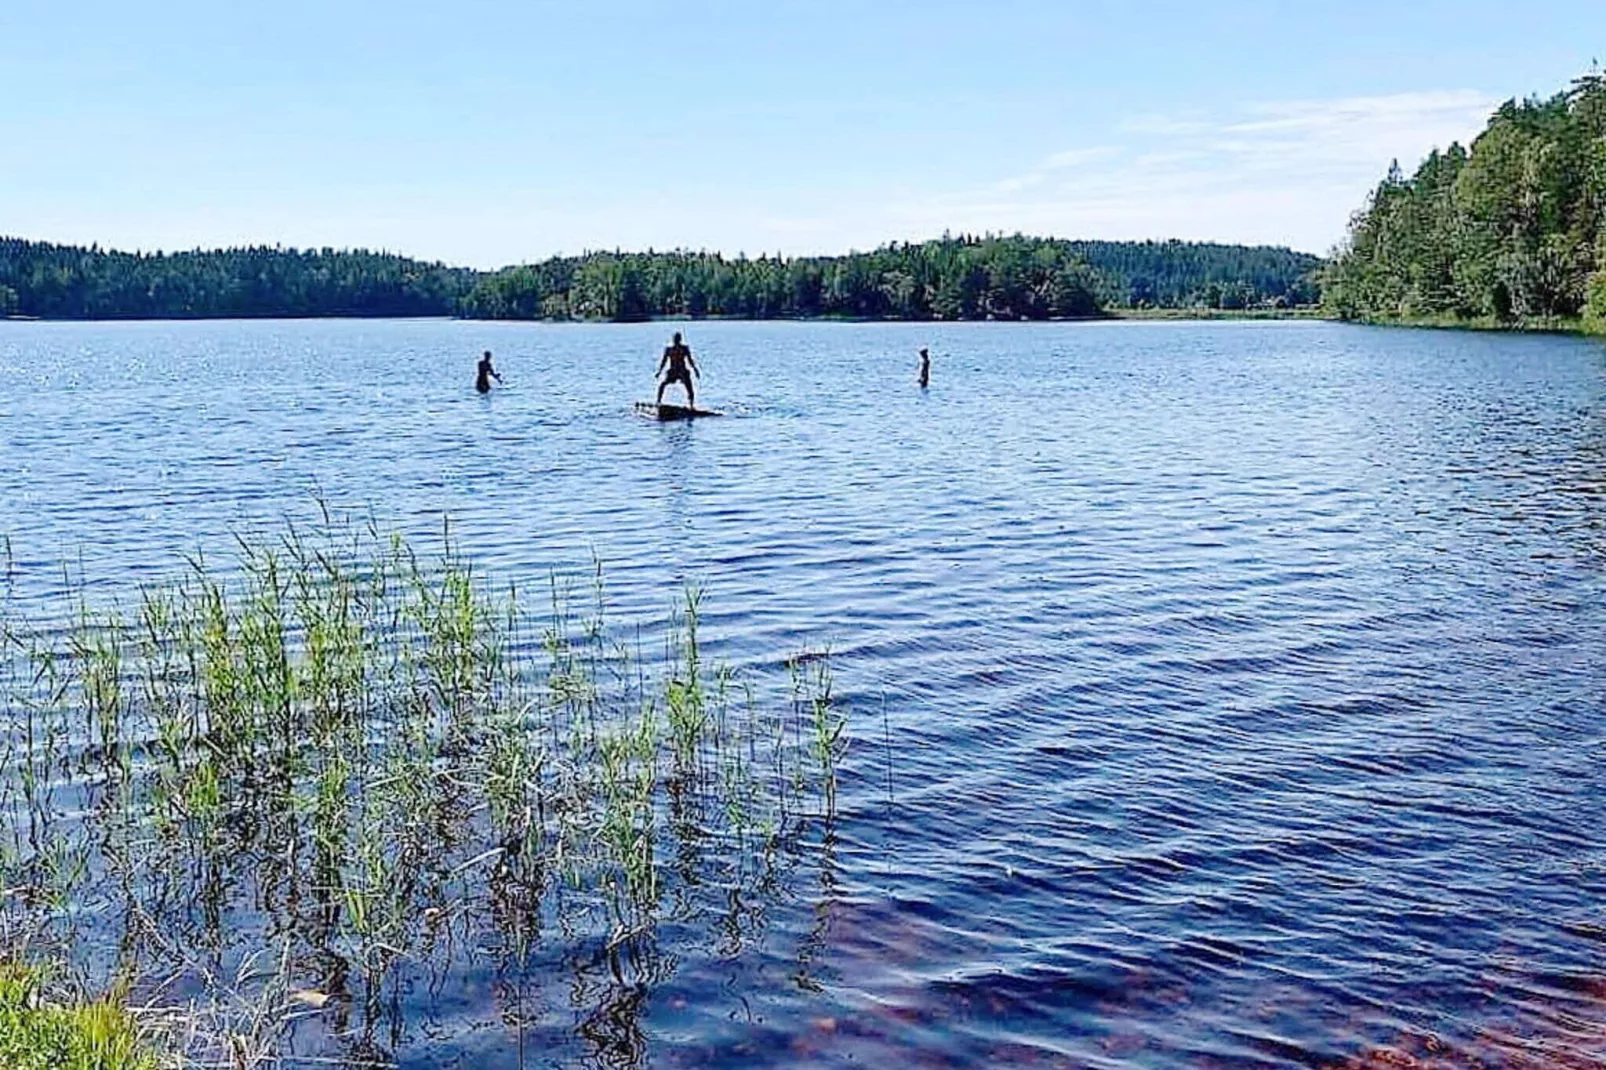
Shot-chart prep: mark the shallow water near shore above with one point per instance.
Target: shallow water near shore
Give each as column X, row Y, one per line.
column 1221, row 693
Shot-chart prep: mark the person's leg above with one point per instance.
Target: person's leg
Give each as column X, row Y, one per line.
column 691, row 396
column 661, row 391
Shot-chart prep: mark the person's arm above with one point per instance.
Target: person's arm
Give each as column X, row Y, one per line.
column 662, row 363
column 693, row 362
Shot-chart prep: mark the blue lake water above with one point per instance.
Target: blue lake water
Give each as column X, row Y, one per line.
column 1224, row 694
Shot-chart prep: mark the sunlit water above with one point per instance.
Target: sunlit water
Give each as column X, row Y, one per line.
column 1223, row 694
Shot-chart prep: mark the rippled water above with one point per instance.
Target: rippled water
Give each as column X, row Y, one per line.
column 1224, row 694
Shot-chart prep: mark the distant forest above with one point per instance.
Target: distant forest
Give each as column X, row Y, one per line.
column 1178, row 274
column 68, row 282
column 1511, row 231
column 963, row 278
column 951, row 278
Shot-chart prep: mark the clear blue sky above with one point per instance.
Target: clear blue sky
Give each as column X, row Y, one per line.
column 491, row 131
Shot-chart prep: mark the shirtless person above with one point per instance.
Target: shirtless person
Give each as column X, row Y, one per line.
column 677, row 356
column 482, row 381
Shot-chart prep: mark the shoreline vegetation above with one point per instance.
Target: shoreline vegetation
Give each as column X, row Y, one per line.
column 45, row 1027
column 952, row 278
column 1295, row 312
column 1508, row 233
column 1575, row 325
column 254, row 803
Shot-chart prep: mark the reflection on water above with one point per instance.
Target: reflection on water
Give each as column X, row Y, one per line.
column 1225, row 694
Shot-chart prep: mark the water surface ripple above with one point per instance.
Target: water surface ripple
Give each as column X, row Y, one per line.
column 1224, row 694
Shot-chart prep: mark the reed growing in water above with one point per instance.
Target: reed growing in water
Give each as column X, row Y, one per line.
column 265, row 791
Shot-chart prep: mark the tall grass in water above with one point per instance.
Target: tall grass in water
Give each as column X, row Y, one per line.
column 267, row 791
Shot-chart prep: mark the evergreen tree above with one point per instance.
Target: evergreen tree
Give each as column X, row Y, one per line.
column 992, row 277
column 1510, row 230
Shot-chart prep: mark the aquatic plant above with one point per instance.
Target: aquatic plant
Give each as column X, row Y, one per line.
column 268, row 790
column 39, row 1031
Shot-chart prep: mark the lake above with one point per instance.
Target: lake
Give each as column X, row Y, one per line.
column 1222, row 694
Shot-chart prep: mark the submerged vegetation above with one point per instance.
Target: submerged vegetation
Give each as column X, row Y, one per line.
column 282, row 795
column 954, row 278
column 1511, row 232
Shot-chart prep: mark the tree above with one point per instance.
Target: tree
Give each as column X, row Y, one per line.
column 1595, row 308
column 1509, row 229
column 71, row 282
column 951, row 278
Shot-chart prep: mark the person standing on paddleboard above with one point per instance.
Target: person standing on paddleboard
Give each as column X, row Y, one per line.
column 482, row 383
column 925, row 369
column 677, row 357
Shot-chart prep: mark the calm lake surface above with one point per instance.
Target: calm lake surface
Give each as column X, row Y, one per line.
column 1223, row 694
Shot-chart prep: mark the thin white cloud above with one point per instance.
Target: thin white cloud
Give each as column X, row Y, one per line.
column 1284, row 172
column 1059, row 161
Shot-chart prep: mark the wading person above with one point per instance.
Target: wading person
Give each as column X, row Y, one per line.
column 678, row 359
column 925, row 368
column 482, row 382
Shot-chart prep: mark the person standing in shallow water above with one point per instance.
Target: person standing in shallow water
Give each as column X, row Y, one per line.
column 483, row 382
column 925, row 368
column 677, row 357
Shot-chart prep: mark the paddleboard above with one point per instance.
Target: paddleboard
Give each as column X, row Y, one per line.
column 672, row 412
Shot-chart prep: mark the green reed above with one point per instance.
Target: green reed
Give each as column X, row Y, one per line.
column 385, row 757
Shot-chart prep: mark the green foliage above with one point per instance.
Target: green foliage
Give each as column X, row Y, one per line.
column 350, row 761
column 65, row 282
column 964, row 278
column 990, row 278
column 40, row 1034
column 1177, row 274
column 1595, row 308
column 952, row 278
column 1507, row 231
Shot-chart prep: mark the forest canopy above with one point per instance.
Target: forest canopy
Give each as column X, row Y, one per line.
column 991, row 277
column 1511, row 230
column 69, row 282
column 963, row 278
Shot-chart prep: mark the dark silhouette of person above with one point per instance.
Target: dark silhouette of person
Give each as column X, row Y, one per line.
column 677, row 357
column 483, row 382
column 925, row 368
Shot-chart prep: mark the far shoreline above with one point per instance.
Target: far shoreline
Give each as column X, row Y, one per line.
column 1573, row 327
column 1180, row 314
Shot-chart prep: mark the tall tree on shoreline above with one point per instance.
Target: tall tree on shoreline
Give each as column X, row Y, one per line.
column 1511, row 230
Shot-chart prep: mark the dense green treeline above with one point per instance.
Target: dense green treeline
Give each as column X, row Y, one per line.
column 1510, row 231
column 67, row 282
column 998, row 278
column 951, row 278
column 1178, row 274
